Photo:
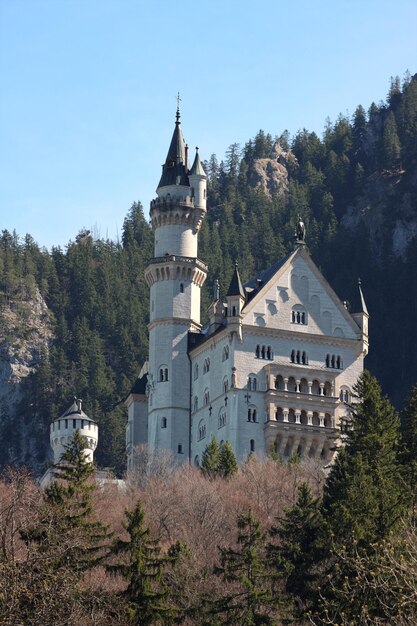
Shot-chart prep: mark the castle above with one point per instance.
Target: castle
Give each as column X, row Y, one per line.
column 275, row 365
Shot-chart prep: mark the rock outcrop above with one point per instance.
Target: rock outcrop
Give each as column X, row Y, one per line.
column 271, row 174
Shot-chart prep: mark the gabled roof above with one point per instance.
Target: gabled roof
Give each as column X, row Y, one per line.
column 174, row 170
column 257, row 282
column 197, row 169
column 275, row 270
column 235, row 287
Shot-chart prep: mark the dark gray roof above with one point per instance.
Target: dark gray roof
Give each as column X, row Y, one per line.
column 235, row 287
column 197, row 168
column 174, row 170
column 359, row 304
column 75, row 410
column 257, row 282
column 140, row 385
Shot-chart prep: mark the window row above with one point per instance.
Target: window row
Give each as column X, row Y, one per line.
column 299, row 357
column 334, row 361
column 298, row 317
column 264, row 352
column 252, row 415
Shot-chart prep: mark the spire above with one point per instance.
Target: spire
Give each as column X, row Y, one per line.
column 197, row 168
column 360, row 302
column 174, row 169
column 236, row 288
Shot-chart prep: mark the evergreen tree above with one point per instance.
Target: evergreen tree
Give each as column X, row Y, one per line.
column 147, row 592
column 253, row 598
column 365, row 494
column 391, row 142
column 69, row 536
column 211, row 458
column 227, row 461
column 300, row 534
column 409, row 446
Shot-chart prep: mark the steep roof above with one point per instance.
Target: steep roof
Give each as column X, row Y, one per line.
column 257, row 282
column 235, row 287
column 140, row 385
column 359, row 304
column 197, row 168
column 174, row 170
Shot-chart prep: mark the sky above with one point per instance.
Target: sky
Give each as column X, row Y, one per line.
column 88, row 91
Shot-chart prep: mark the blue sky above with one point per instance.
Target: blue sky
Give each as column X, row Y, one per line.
column 87, row 96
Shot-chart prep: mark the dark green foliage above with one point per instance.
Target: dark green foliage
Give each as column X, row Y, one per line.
column 300, row 546
column 227, row 461
column 68, row 535
column 253, row 598
column 211, row 458
column 365, row 494
column 147, row 592
column 219, row 460
column 409, row 446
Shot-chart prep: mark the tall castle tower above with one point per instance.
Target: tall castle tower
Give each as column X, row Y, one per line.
column 175, row 276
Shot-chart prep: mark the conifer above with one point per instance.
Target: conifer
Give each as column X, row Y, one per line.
column 211, row 458
column 365, row 493
column 227, row 461
column 147, row 593
column 253, row 599
column 409, row 446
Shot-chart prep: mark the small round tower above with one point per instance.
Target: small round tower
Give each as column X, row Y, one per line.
column 63, row 429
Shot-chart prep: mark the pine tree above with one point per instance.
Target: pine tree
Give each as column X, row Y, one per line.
column 300, row 547
column 211, row 458
column 365, row 494
column 409, row 446
column 227, row 461
column 147, row 593
column 253, row 599
column 68, row 535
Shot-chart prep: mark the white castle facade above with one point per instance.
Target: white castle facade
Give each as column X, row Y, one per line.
column 273, row 368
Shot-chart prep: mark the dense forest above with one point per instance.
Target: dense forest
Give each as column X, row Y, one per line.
column 264, row 543
column 356, row 190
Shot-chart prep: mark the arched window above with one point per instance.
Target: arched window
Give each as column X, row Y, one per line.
column 225, row 385
column 182, row 288
column 304, row 358
column 269, row 353
column 206, row 367
column 252, row 382
column 195, row 404
column 298, row 315
column 292, row 356
column 163, row 374
column 180, row 448
column 297, row 358
column 196, row 371
column 263, row 352
column 201, row 430
column 225, row 353
column 252, row 414
column 206, row 397
column 252, row 445
column 333, row 361
column 163, row 422
column 222, row 418
column 258, row 352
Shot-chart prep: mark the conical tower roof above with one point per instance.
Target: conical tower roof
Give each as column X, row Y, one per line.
column 197, row 167
column 359, row 304
column 174, row 171
column 236, row 287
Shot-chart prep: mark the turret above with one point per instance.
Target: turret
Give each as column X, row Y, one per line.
column 361, row 316
column 236, row 299
column 63, row 429
column 198, row 183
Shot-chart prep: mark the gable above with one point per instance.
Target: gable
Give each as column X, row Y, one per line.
column 297, row 297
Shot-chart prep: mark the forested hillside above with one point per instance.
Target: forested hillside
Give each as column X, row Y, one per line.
column 356, row 189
